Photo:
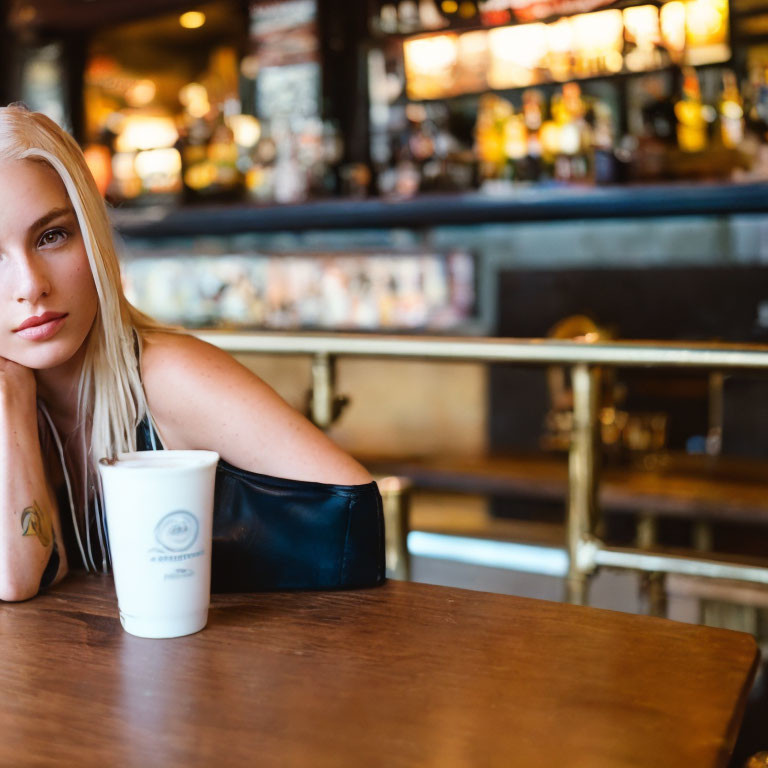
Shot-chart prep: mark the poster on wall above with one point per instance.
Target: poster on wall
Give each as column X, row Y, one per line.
column 286, row 51
column 289, row 92
column 284, row 33
column 42, row 83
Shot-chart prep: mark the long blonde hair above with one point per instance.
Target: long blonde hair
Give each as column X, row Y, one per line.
column 110, row 395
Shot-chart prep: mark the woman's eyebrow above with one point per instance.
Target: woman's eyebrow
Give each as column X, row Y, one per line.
column 54, row 213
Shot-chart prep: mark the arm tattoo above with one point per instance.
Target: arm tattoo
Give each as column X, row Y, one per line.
column 37, row 522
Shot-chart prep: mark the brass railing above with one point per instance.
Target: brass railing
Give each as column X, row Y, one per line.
column 586, row 551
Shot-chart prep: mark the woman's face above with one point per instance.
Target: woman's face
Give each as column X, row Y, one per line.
column 48, row 299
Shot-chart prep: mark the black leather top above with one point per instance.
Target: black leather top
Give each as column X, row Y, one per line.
column 272, row 533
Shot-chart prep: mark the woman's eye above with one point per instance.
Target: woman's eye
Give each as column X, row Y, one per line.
column 53, row 237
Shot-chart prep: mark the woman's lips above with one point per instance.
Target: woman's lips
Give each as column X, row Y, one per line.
column 43, row 331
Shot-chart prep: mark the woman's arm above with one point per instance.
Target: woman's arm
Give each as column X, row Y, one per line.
column 29, row 522
column 201, row 397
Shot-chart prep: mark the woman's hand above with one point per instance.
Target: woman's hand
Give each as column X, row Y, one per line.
column 17, row 380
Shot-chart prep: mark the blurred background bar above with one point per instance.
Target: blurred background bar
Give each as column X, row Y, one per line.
column 295, row 100
column 583, row 169
column 571, row 169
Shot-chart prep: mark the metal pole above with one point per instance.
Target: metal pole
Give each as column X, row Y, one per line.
column 526, row 351
column 653, row 583
column 620, row 557
column 583, row 515
column 322, row 392
column 715, row 413
column 396, row 499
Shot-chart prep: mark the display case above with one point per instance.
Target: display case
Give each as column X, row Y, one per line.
column 249, row 289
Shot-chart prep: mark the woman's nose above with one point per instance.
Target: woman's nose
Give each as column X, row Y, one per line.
column 32, row 282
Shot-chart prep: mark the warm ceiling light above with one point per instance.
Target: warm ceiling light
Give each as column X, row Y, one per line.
column 246, row 129
column 430, row 55
column 194, row 97
column 140, row 93
column 146, row 132
column 192, row 19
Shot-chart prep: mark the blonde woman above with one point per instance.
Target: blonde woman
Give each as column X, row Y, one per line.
column 83, row 375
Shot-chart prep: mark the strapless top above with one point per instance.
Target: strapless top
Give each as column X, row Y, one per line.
column 272, row 533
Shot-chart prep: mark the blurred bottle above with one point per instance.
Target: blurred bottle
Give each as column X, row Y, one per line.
column 430, row 17
column 516, row 144
column 223, row 153
column 193, row 145
column 260, row 178
column 690, row 114
column 408, row 20
column 758, row 112
column 731, row 112
column 533, row 116
column 604, row 163
column 406, row 178
column 387, row 22
column 210, row 160
column 209, row 153
column 490, row 128
column 573, row 134
column 756, row 119
column 657, row 113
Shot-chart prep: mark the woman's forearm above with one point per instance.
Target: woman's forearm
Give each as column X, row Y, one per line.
column 28, row 513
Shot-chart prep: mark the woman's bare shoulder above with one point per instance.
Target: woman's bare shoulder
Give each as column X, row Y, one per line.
column 166, row 356
column 178, row 368
column 192, row 388
column 156, row 344
column 201, row 397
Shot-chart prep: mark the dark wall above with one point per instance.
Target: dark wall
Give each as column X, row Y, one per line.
column 701, row 304
column 8, row 58
column 692, row 303
column 343, row 29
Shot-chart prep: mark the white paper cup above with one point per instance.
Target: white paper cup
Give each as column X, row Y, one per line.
column 159, row 508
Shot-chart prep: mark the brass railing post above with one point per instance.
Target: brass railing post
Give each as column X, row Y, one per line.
column 324, row 405
column 322, row 393
column 583, row 467
column 396, row 497
column 652, row 583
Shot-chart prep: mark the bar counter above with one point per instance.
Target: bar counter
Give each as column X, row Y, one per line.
column 529, row 204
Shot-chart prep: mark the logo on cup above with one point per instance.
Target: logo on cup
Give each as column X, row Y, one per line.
column 179, row 573
column 177, row 531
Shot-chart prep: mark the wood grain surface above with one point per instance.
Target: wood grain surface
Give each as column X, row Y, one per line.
column 712, row 488
column 404, row 675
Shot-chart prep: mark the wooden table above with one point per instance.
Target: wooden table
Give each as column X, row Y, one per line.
column 403, row 675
